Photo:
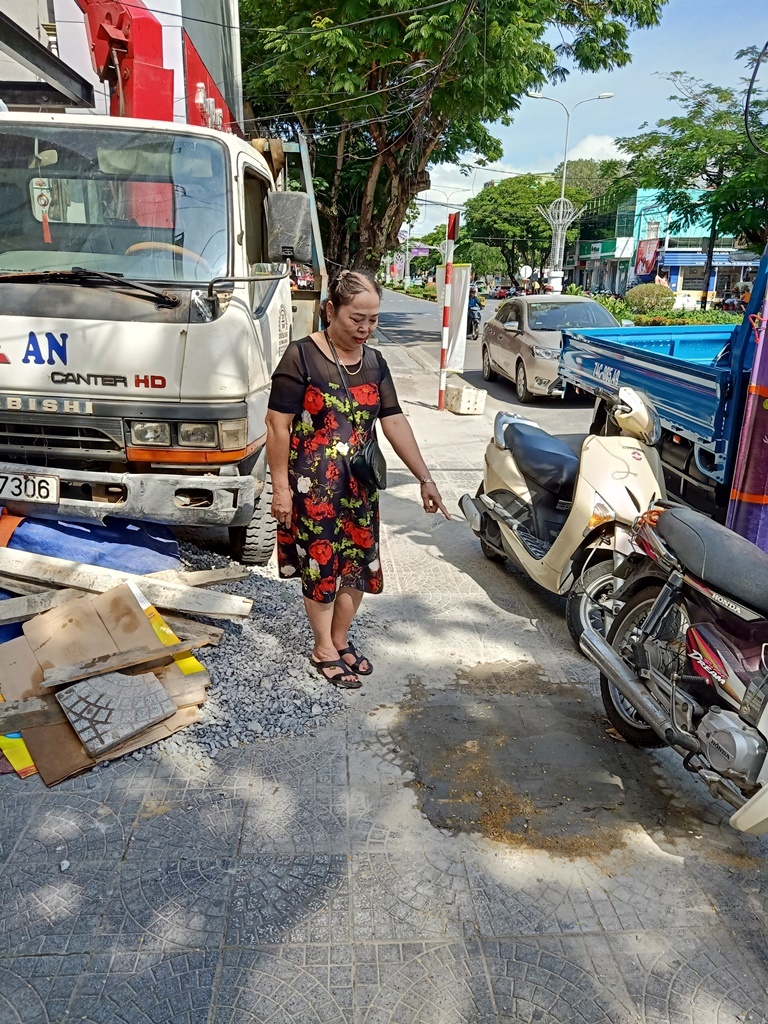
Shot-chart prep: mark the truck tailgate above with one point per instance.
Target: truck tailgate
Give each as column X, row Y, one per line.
column 675, row 370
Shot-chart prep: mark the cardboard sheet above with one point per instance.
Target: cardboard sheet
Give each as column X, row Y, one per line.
column 59, row 754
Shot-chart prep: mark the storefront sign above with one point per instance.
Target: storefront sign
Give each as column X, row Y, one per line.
column 605, row 249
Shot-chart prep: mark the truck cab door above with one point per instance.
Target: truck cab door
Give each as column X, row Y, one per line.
column 268, row 300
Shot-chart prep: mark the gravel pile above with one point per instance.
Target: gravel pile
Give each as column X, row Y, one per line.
column 262, row 685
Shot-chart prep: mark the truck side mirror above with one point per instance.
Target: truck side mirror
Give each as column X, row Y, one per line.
column 289, row 227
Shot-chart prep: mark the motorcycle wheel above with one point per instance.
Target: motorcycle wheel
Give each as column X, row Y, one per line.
column 584, row 605
column 620, row 713
column 475, row 331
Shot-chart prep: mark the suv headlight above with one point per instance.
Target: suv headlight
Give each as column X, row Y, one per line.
column 546, row 353
column 198, row 435
column 151, row 434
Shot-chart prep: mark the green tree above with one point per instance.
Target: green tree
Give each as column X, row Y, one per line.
column 385, row 88
column 505, row 216
column 703, row 166
column 485, row 259
column 594, row 177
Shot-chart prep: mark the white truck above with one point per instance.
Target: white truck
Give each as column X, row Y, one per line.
column 145, row 300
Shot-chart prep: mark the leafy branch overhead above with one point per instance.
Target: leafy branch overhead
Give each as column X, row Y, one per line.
column 385, row 88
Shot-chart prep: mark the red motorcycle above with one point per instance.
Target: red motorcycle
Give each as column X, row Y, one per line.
column 685, row 662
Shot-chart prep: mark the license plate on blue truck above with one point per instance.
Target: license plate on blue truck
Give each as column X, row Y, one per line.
column 29, row 487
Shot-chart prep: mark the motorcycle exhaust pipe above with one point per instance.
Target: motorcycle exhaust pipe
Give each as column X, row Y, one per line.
column 600, row 652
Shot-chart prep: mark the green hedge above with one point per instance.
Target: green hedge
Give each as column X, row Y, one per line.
column 668, row 318
column 650, row 298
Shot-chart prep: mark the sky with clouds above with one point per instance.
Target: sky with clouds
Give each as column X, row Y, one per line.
column 697, row 36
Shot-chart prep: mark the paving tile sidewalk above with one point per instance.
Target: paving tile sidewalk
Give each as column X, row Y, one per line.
column 323, row 880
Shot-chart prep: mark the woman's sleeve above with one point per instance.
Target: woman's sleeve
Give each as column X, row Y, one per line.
column 288, row 383
column 387, row 393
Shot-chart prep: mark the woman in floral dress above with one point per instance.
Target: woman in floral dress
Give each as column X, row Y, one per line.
column 328, row 521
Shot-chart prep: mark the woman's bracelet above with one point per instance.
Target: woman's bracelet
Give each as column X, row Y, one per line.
column 428, row 480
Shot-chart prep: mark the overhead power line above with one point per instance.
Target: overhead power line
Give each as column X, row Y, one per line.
column 287, row 31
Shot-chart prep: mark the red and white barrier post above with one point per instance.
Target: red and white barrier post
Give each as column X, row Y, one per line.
column 450, row 240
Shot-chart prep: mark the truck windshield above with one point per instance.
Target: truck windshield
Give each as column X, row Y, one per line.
column 555, row 316
column 151, row 206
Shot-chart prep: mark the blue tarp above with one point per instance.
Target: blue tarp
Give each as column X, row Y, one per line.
column 121, row 544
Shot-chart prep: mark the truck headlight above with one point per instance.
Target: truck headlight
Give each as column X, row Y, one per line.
column 545, row 353
column 152, row 434
column 198, row 435
column 233, row 434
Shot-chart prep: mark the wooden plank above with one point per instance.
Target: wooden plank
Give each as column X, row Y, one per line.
column 187, row 628
column 115, row 663
column 16, row 715
column 19, row 609
column 202, row 577
column 16, row 586
column 97, row 579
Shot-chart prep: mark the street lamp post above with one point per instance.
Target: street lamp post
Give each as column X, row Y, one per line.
column 561, row 213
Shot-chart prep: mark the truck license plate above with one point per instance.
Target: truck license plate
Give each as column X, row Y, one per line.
column 29, row 487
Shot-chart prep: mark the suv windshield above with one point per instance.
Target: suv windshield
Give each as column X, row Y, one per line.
column 554, row 316
column 148, row 205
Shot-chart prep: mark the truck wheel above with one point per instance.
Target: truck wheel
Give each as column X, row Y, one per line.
column 254, row 543
column 524, row 396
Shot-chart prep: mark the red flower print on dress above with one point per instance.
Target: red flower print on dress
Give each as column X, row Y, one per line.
column 295, row 441
column 354, row 487
column 360, row 535
column 321, row 551
column 319, row 509
column 375, row 584
column 365, row 394
column 332, row 471
column 284, row 536
column 313, row 400
column 323, row 588
column 331, row 423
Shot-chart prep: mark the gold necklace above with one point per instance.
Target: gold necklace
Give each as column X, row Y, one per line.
column 352, row 373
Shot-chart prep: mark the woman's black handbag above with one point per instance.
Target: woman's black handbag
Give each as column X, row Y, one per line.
column 368, row 463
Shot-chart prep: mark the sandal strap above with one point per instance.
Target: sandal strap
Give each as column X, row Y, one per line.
column 337, row 680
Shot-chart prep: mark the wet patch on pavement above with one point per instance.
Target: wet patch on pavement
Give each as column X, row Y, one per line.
column 526, row 762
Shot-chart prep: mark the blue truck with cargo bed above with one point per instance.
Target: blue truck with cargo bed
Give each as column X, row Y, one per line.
column 697, row 380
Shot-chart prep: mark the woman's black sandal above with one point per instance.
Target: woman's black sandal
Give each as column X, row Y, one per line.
column 355, row 666
column 338, row 680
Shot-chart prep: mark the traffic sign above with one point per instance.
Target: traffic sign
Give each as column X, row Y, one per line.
column 525, row 272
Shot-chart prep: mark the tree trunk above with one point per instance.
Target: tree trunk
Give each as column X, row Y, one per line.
column 709, row 262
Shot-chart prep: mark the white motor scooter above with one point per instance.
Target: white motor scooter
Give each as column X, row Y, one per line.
column 565, row 519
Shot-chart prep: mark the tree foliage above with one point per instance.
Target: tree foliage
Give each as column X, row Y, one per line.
column 486, row 260
column 505, row 215
column 594, row 177
column 385, row 88
column 704, row 147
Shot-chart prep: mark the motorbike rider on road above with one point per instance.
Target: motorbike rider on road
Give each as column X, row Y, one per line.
column 474, row 303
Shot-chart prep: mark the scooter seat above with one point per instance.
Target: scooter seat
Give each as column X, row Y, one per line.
column 542, row 458
column 718, row 556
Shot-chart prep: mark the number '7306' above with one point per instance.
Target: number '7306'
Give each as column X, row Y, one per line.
column 27, row 487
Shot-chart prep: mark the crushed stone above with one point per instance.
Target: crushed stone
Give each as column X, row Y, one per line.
column 262, row 684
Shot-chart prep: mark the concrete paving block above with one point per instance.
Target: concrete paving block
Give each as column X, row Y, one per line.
column 106, row 710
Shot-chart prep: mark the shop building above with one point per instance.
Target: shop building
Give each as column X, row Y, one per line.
column 633, row 242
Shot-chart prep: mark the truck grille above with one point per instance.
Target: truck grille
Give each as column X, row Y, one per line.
column 44, row 440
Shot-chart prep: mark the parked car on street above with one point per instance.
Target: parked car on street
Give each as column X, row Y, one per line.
column 522, row 340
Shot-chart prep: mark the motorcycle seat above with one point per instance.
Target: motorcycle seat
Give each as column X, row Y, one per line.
column 543, row 458
column 717, row 556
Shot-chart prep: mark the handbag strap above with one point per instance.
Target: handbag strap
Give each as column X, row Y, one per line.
column 344, row 380
column 338, row 366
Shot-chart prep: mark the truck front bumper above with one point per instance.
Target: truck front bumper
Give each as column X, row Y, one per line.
column 177, row 500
